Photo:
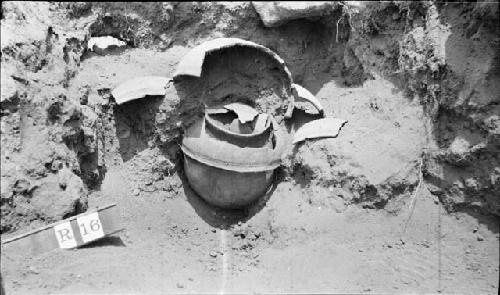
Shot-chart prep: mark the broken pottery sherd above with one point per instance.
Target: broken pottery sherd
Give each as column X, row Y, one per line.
column 139, row 87
column 326, row 127
column 192, row 63
column 303, row 94
column 244, row 112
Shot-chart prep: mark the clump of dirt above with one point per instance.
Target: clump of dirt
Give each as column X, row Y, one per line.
column 43, row 131
column 137, row 24
column 447, row 60
column 366, row 163
column 152, row 171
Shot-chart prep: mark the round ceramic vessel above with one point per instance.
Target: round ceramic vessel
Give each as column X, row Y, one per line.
column 226, row 188
column 228, row 168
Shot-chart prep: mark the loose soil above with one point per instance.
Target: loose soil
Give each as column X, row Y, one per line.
column 295, row 244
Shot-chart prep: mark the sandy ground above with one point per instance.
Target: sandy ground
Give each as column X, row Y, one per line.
column 290, row 246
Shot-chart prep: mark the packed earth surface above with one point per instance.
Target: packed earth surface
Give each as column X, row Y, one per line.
column 406, row 199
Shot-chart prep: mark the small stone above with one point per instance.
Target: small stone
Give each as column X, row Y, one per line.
column 136, row 192
column 214, row 230
column 52, row 202
column 84, row 100
column 179, row 285
column 33, row 270
column 480, row 238
column 190, row 279
column 213, row 254
column 21, row 186
column 9, row 87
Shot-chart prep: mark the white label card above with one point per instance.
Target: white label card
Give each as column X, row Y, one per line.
column 90, row 227
column 65, row 236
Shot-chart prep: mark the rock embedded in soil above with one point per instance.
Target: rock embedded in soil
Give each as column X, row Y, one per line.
column 9, row 87
column 275, row 13
column 59, row 196
column 100, row 44
column 52, row 198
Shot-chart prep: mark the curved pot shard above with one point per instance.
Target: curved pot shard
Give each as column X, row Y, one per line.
column 244, row 112
column 326, row 127
column 302, row 94
column 192, row 63
column 140, row 87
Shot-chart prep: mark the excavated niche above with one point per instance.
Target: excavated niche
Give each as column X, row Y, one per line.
column 229, row 101
column 229, row 160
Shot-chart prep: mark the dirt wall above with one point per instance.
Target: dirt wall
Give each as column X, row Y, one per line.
column 58, row 117
column 444, row 55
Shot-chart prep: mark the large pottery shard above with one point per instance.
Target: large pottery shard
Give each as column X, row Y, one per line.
column 303, row 94
column 139, row 87
column 191, row 64
column 326, row 127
